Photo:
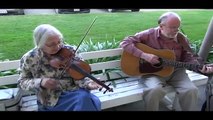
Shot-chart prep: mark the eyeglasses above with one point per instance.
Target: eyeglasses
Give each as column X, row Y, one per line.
column 172, row 27
column 53, row 44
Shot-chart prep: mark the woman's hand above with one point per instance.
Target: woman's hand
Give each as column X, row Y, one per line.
column 49, row 83
column 93, row 85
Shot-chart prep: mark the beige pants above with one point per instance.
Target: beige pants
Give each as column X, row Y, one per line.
column 186, row 91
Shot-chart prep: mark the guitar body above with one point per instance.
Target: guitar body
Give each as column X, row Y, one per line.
column 135, row 66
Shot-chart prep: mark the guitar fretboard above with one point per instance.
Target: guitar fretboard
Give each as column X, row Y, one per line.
column 177, row 64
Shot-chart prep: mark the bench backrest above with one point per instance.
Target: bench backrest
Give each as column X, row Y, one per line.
column 6, row 66
column 101, row 66
column 126, row 90
column 12, row 79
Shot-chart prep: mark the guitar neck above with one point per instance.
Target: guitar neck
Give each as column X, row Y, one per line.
column 177, row 64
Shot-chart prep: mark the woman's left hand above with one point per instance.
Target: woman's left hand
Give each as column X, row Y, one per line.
column 93, row 85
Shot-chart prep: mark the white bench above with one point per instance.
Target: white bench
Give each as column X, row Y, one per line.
column 127, row 90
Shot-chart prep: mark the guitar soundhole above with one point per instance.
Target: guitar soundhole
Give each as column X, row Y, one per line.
column 146, row 67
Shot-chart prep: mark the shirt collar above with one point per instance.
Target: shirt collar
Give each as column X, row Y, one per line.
column 158, row 32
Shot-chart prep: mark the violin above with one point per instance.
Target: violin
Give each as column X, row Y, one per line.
column 78, row 69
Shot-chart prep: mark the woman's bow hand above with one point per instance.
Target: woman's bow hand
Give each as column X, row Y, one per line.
column 49, row 83
column 93, row 85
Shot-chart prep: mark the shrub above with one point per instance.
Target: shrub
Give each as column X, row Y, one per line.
column 88, row 46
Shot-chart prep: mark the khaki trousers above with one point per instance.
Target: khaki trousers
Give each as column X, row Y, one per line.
column 186, row 91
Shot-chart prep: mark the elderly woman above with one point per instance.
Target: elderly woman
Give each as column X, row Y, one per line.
column 55, row 91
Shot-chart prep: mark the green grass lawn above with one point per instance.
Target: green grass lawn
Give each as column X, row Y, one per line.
column 16, row 31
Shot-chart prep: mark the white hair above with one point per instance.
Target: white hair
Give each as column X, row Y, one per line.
column 163, row 17
column 42, row 32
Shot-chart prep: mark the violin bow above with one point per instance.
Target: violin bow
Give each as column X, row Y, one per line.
column 86, row 33
column 79, row 44
column 94, row 79
column 82, row 71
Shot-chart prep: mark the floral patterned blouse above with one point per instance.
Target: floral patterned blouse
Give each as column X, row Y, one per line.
column 34, row 65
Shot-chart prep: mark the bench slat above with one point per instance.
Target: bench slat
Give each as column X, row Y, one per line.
column 120, row 90
column 30, row 108
column 102, row 53
column 121, row 98
column 127, row 90
column 123, row 83
column 105, row 65
column 113, row 75
column 8, row 65
column 7, row 80
column 29, row 98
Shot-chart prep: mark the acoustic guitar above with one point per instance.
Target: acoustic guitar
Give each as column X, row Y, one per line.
column 134, row 66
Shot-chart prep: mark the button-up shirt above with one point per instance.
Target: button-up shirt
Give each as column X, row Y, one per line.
column 154, row 39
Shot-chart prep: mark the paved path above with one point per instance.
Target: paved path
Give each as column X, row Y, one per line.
column 39, row 11
column 53, row 11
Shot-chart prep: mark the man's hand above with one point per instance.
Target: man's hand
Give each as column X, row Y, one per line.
column 151, row 58
column 207, row 69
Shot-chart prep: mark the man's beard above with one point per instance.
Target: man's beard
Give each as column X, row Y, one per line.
column 169, row 36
